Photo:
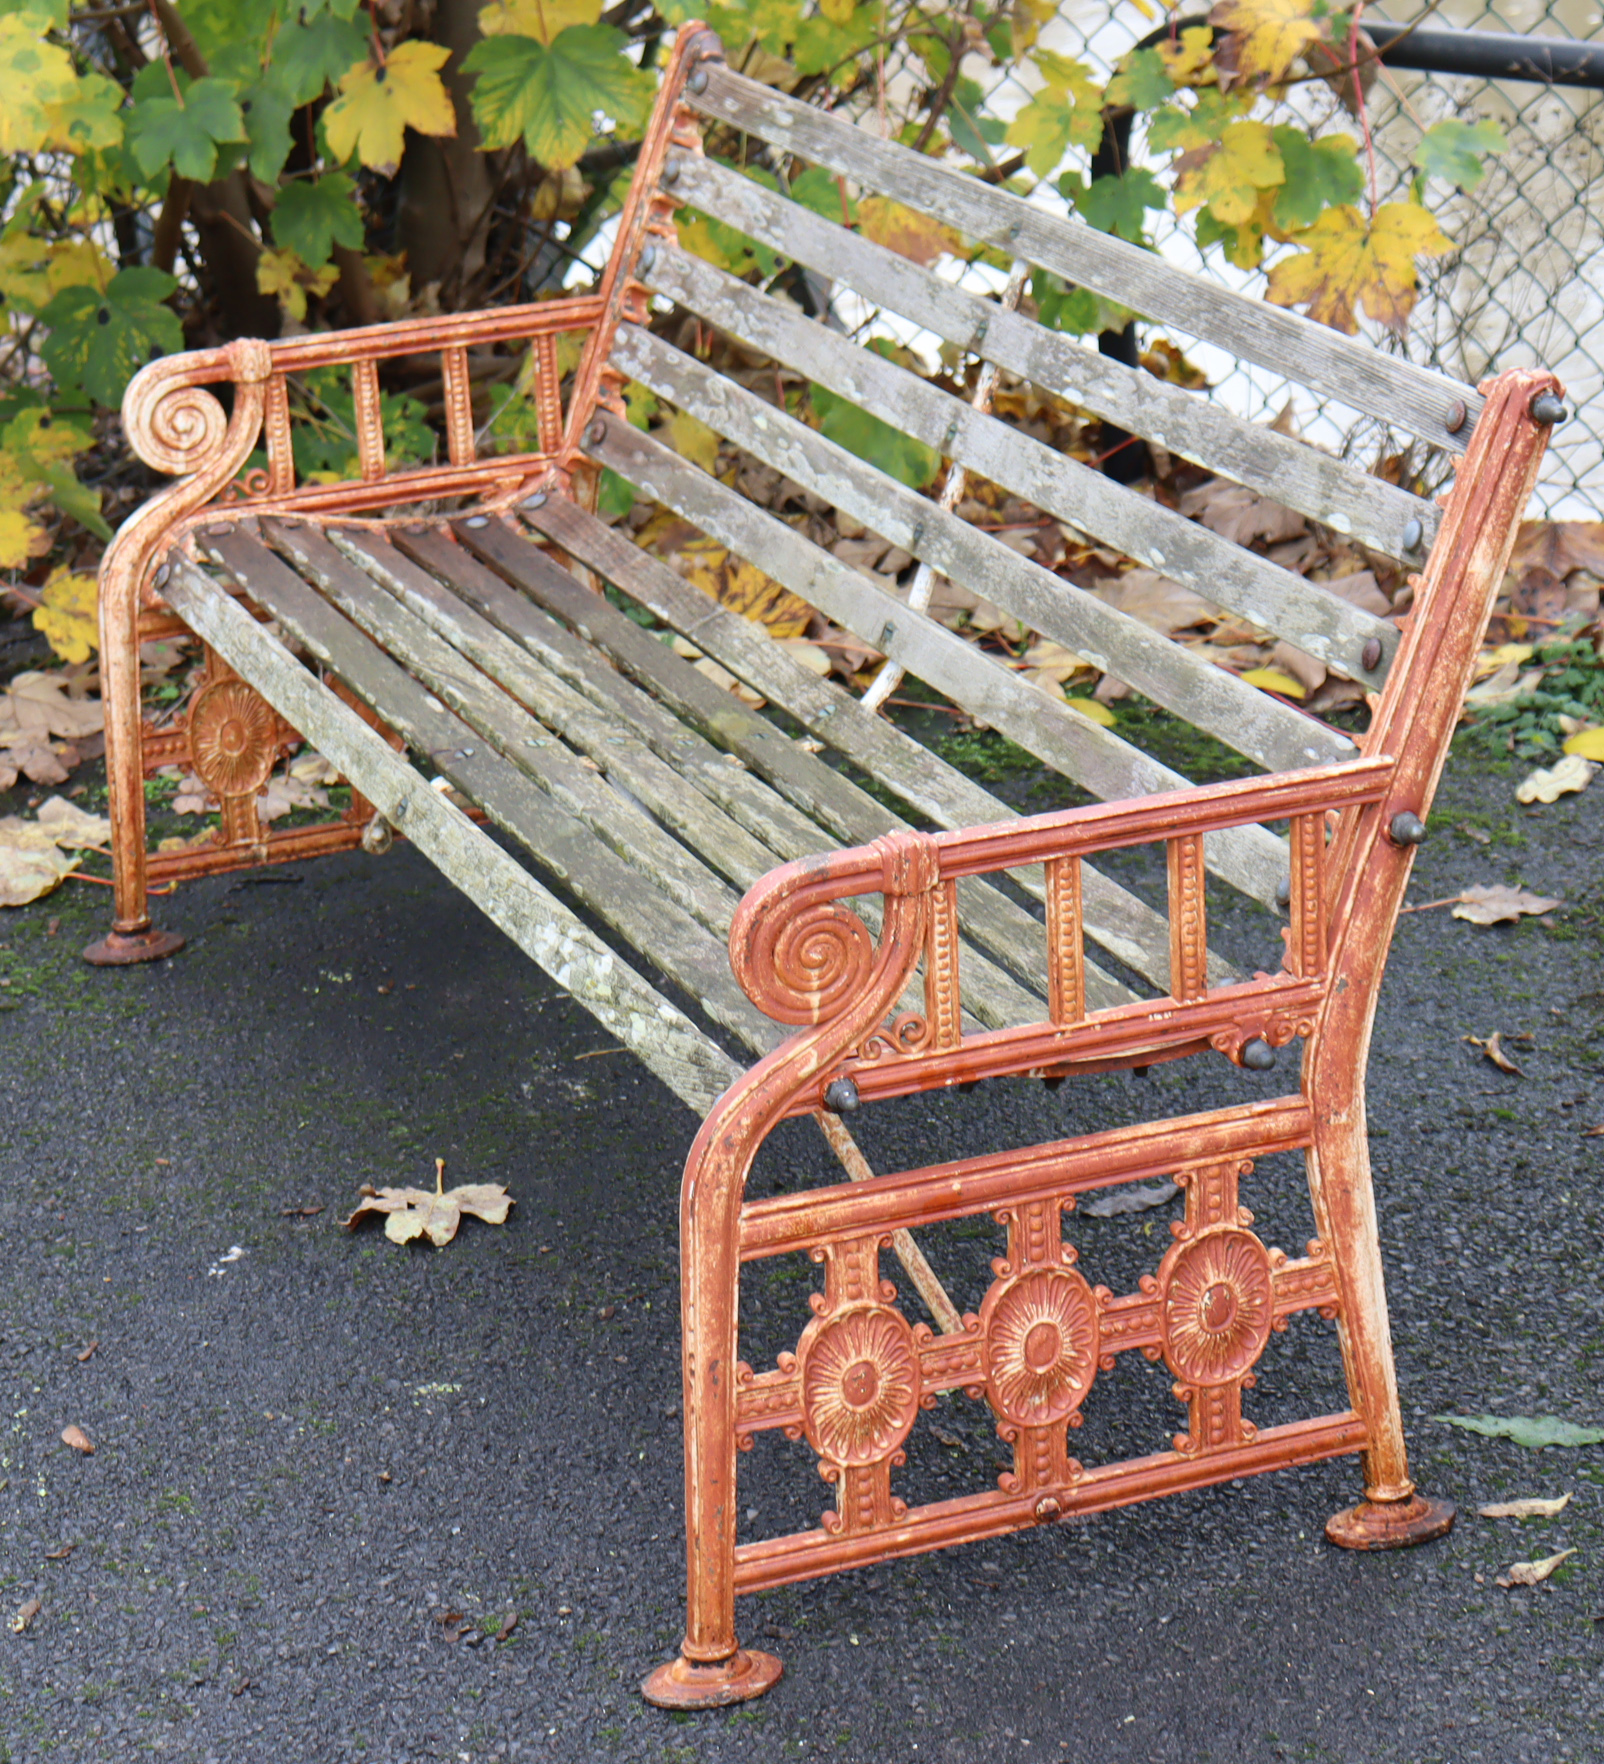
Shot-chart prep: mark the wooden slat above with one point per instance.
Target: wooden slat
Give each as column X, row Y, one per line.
column 1115, row 918
column 664, row 932
column 1363, row 378
column 613, row 739
column 1294, row 474
column 692, row 1066
column 658, row 860
column 1330, row 628
column 1248, row 857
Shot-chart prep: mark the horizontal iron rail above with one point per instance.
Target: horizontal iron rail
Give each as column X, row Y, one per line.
column 1490, row 55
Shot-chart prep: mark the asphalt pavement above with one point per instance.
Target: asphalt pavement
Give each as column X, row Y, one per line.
column 356, row 1501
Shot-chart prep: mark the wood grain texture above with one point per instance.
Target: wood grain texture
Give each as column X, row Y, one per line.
column 1378, row 385
column 1291, row 472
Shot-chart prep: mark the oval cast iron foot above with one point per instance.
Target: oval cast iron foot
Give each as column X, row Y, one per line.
column 1390, row 1525
column 684, row 1684
column 120, row 949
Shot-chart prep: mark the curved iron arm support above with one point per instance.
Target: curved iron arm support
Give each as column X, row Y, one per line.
column 1418, row 708
column 177, row 427
column 790, row 943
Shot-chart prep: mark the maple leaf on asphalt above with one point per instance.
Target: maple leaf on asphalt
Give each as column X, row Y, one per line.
column 377, row 105
column 1270, row 34
column 1347, row 262
column 414, row 1212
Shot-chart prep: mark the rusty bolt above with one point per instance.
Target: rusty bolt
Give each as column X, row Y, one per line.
column 596, row 433
column 1546, row 408
column 1370, row 655
column 841, row 1096
column 1047, row 1509
column 1456, row 416
column 698, row 81
column 1406, row 828
column 538, row 500
column 647, row 258
column 1257, row 1054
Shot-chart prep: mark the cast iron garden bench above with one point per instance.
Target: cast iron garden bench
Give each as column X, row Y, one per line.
column 410, row 646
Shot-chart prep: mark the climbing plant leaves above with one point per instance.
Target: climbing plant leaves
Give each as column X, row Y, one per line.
column 1348, row 262
column 99, row 340
column 378, row 104
column 550, row 94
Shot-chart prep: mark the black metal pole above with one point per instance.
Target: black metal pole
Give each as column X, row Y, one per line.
column 1490, row 55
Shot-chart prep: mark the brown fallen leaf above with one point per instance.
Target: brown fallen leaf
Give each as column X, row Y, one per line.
column 299, row 1212
column 78, row 1440
column 508, row 1624
column 61, row 1554
column 1533, row 1573
column 1493, row 1049
column 88, row 1352
column 26, row 1614
column 1560, row 546
column 414, row 1212
column 1499, row 904
column 1531, row 1508
column 1595, row 1132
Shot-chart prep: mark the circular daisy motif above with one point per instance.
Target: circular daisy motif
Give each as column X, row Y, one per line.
column 860, row 1384
column 1041, row 1344
column 232, row 738
column 1217, row 1304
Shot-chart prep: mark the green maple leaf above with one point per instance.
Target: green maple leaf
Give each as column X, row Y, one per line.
column 311, row 218
column 550, row 95
column 1320, row 174
column 1454, row 150
column 99, row 340
column 822, row 46
column 308, row 57
column 267, row 108
column 1172, row 127
column 89, row 116
column 1119, row 204
column 898, row 455
column 820, row 190
column 1143, row 81
column 184, row 130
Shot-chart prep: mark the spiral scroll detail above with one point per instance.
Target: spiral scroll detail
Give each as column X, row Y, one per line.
column 175, row 428
column 805, row 967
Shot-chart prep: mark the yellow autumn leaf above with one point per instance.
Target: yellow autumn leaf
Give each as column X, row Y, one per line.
column 1270, row 34
column 726, row 578
column 1228, row 176
column 1491, row 660
column 1273, row 680
column 915, row 236
column 20, row 539
column 378, row 104
column 33, row 271
column 283, row 275
column 1092, row 710
column 839, row 12
column 1191, row 61
column 1589, row 743
column 36, row 77
column 70, row 614
column 1346, row 263
column 541, row 19
column 691, row 439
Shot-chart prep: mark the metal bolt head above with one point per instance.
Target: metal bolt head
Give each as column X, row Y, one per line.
column 670, row 173
column 477, row 521
column 596, row 433
column 538, row 500
column 1406, row 828
column 1283, row 891
column 647, row 258
column 841, row 1096
column 1370, row 655
column 1413, row 533
column 697, row 82
column 162, row 574
column 1547, row 408
column 1258, row 1055
column 1457, row 413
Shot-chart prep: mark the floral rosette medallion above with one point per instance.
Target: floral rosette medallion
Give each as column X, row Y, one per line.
column 1041, row 1330
column 860, row 1383
column 1218, row 1305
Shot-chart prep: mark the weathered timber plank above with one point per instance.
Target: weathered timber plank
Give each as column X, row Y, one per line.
column 1378, row 385
column 1248, row 857
column 654, row 858
column 1334, row 630
column 660, row 929
column 622, row 753
column 665, row 1039
column 1115, row 918
column 1293, row 473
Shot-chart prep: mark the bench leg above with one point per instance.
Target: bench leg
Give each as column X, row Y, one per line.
column 1393, row 1514
column 132, row 937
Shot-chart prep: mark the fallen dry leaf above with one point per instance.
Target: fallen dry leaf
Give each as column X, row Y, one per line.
column 31, row 859
column 88, row 1352
column 1493, row 1049
column 61, row 1553
column 1239, row 514
column 1560, row 546
column 1531, row 1508
column 1138, row 1199
column 414, row 1212
column 1549, row 783
column 1499, row 904
column 78, row 1440
column 26, row 1614
column 1156, row 600
column 1533, row 1573
column 39, row 704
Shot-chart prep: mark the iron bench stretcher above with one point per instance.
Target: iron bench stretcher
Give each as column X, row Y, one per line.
column 411, row 647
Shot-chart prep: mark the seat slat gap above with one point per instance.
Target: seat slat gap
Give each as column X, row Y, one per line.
column 1066, row 952
column 1188, row 921
column 369, row 420
column 459, row 406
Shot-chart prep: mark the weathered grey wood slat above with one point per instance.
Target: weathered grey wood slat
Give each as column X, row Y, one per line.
column 661, row 930
column 665, row 1039
column 1291, row 472
column 1126, row 926
column 1278, row 737
column 621, row 751
column 1378, row 385
column 1248, row 857
column 657, row 860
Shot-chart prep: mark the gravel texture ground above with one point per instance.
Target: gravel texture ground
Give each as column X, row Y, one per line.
column 330, row 1472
